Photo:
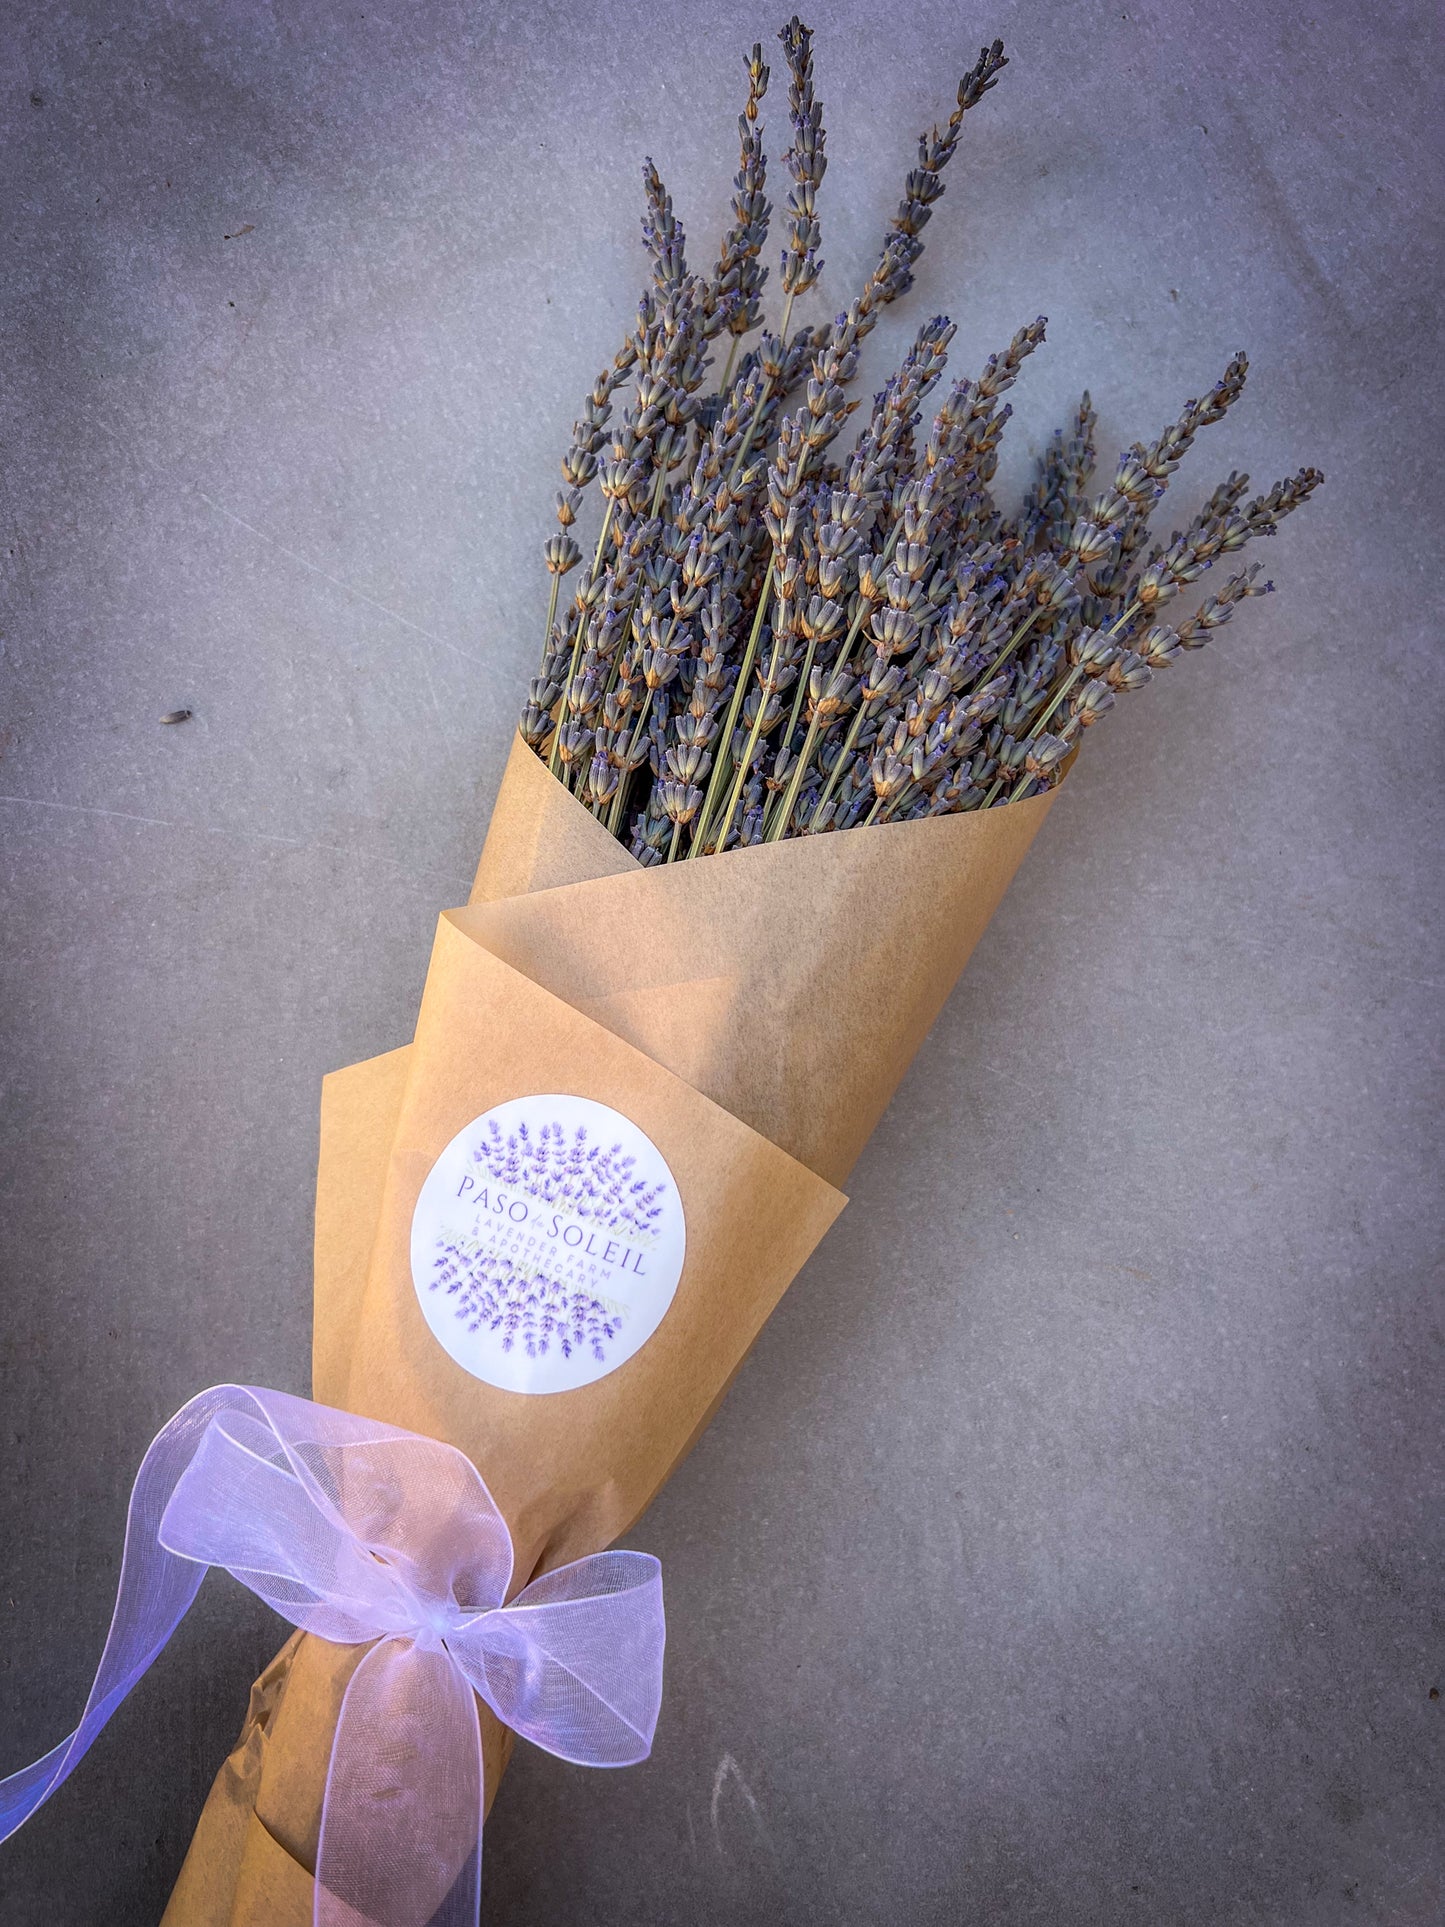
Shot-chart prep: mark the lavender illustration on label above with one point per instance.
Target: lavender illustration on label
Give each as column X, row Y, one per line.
column 565, row 1187
column 547, row 1243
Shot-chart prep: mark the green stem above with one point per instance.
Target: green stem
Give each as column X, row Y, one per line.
column 803, row 679
column 727, row 373
column 779, row 827
column 783, row 815
column 601, row 539
column 795, row 784
column 754, row 735
column 714, row 788
column 1128, row 616
column 664, row 451
column 787, row 314
column 547, row 644
column 1058, row 696
column 898, row 799
column 1011, row 647
column 1036, row 729
column 770, row 815
column 742, row 454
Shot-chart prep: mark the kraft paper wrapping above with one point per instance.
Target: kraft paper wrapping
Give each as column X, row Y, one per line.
column 753, row 1013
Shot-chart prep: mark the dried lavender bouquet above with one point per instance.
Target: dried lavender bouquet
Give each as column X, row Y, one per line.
column 768, row 641
column 772, row 640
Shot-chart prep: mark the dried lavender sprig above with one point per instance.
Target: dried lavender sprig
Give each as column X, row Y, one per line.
column 712, row 499
column 687, row 759
column 1127, row 670
column 1264, row 514
column 1055, row 501
column 619, row 478
column 1113, row 529
column 658, row 653
column 893, row 274
column 948, row 461
column 854, row 509
column 807, row 162
column 651, row 436
column 804, row 437
column 1218, row 609
column 662, row 352
column 895, row 622
column 1013, row 686
column 902, row 244
column 662, row 233
column 734, row 297
column 579, row 467
column 909, row 756
column 1214, row 516
column 1188, row 556
column 1163, row 456
column 803, row 440
column 1179, row 565
column 964, row 443
column 1158, row 461
column 536, row 723
column 599, row 641
column 919, row 193
column 936, row 730
column 699, row 544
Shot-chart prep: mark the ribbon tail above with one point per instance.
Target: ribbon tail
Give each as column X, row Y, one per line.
column 153, row 1595
column 401, row 1823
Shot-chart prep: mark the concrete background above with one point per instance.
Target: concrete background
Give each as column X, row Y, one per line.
column 1069, row 1551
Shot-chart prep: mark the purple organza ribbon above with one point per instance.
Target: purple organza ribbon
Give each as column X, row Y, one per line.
column 365, row 1535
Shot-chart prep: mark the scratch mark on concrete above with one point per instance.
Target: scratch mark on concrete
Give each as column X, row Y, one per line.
column 243, row 332
column 441, row 720
column 1380, row 970
column 86, row 809
column 728, row 1769
column 216, row 829
column 347, row 588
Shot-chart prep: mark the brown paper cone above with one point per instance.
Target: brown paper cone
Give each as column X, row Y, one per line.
column 752, row 1013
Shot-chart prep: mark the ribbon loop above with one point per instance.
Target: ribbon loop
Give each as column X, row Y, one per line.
column 572, row 1657
column 364, row 1534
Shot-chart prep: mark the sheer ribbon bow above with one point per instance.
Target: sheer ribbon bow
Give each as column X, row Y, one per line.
column 366, row 1535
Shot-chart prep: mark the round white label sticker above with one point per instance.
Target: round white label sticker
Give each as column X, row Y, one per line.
column 547, row 1243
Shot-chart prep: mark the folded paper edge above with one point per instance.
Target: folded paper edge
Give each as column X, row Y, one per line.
column 873, row 926
column 451, row 918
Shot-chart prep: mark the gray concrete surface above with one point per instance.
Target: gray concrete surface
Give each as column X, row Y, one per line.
column 1069, row 1551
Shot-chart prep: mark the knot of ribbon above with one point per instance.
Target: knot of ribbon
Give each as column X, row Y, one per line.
column 366, row 1535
